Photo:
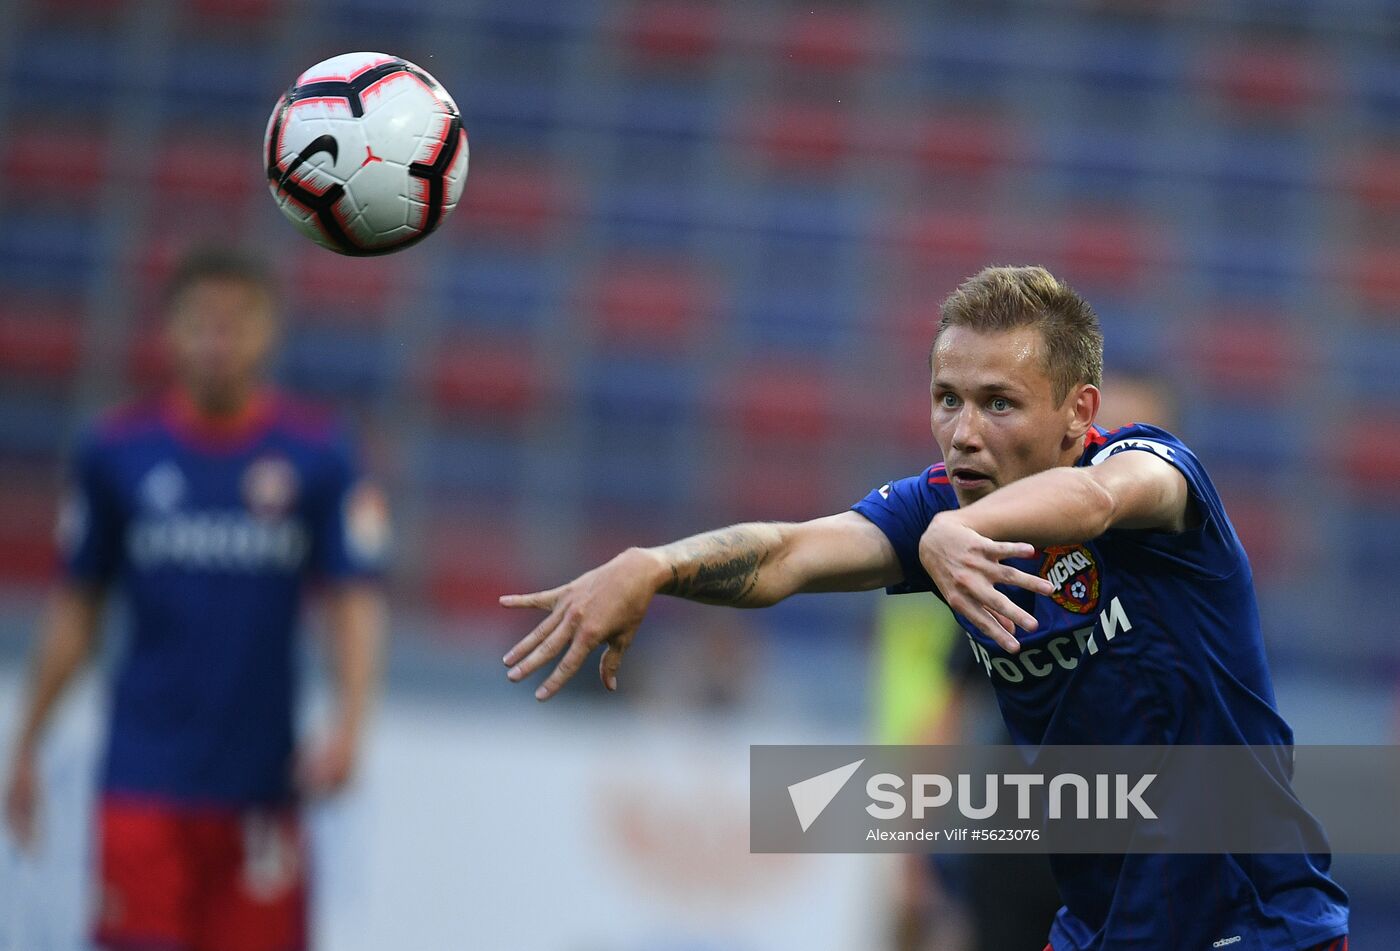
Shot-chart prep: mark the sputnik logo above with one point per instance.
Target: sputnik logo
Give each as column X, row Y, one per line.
column 811, row 796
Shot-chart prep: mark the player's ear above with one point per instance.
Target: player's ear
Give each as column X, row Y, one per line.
column 1081, row 408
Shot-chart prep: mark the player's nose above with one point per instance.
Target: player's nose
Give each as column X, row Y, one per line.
column 967, row 436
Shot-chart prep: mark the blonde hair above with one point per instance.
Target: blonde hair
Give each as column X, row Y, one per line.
column 1005, row 298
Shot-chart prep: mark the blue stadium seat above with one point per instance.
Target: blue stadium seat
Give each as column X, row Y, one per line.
column 617, row 388
column 220, row 82
column 34, row 426
column 45, row 251
column 511, row 115
column 1269, row 267
column 68, row 72
column 477, row 461
column 651, row 215
column 512, row 291
column 334, row 362
column 1118, row 58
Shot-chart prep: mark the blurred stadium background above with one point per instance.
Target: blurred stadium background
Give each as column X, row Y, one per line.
column 692, row 281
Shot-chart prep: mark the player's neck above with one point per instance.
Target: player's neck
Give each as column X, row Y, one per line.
column 227, row 413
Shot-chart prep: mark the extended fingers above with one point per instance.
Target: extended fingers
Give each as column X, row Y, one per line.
column 1024, row 579
column 554, row 641
column 565, row 669
column 532, row 640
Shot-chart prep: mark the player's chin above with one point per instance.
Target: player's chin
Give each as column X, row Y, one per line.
column 971, row 493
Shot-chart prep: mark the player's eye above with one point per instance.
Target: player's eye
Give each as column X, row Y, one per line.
column 1000, row 404
column 948, row 401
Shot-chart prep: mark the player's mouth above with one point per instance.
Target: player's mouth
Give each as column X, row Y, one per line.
column 965, row 478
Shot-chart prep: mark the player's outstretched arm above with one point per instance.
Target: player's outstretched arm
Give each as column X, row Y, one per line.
column 962, row 549
column 750, row 565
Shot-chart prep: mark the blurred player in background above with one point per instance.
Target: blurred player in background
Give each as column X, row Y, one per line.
column 210, row 509
column 1030, row 489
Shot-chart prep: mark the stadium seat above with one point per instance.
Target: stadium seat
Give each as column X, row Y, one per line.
column 1115, row 58
column 54, row 165
column 65, row 71
column 27, row 551
column 796, row 135
column 514, row 198
column 832, row 39
column 479, row 460
column 40, row 340
column 786, row 316
column 1107, row 249
column 513, row 115
column 1270, row 77
column 631, row 386
column 953, row 241
column 47, row 252
column 486, row 379
column 1238, row 355
column 1375, row 276
column 1370, row 448
column 780, row 403
column 775, row 482
column 672, row 33
column 336, row 362
column 501, row 289
column 638, row 302
column 1373, row 178
column 221, row 82
column 651, row 216
column 191, row 169
column 34, row 426
column 964, row 144
column 464, row 576
column 334, row 288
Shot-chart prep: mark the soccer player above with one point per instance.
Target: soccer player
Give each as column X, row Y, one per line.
column 1034, row 523
column 210, row 509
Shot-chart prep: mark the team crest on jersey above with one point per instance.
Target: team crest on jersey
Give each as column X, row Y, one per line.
column 1075, row 575
column 270, row 486
column 163, row 488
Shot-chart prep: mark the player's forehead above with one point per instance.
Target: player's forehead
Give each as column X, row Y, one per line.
column 222, row 296
column 967, row 359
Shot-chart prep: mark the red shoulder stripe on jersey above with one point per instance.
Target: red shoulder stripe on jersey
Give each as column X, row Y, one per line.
column 1094, row 437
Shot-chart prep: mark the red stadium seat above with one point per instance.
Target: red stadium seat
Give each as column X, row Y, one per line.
column 1374, row 179
column 781, row 404
column 1372, row 454
column 54, row 164
column 963, row 145
column 833, row 39
column 486, row 379
column 248, row 12
column 1267, row 526
column 954, row 242
column 800, row 135
column 649, row 303
column 1273, row 77
column 1247, row 355
column 191, row 170
column 40, row 340
column 783, row 483
column 673, row 32
column 333, row 286
column 27, row 550
column 1375, row 274
column 471, row 559
column 514, row 200
column 1106, row 250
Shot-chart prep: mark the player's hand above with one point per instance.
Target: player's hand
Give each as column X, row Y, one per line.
column 604, row 606
column 966, row 566
column 326, row 767
column 22, row 801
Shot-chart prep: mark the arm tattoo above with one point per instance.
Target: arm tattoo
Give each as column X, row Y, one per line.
column 718, row 567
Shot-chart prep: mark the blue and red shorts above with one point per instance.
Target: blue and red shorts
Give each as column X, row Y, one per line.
column 179, row 878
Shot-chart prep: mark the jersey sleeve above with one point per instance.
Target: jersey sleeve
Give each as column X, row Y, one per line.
column 1209, row 548
column 349, row 521
column 903, row 510
column 90, row 520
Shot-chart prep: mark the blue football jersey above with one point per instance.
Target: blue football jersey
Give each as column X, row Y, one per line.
column 212, row 536
column 1149, row 638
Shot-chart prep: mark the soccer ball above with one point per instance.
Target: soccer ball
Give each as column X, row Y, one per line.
column 366, row 153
